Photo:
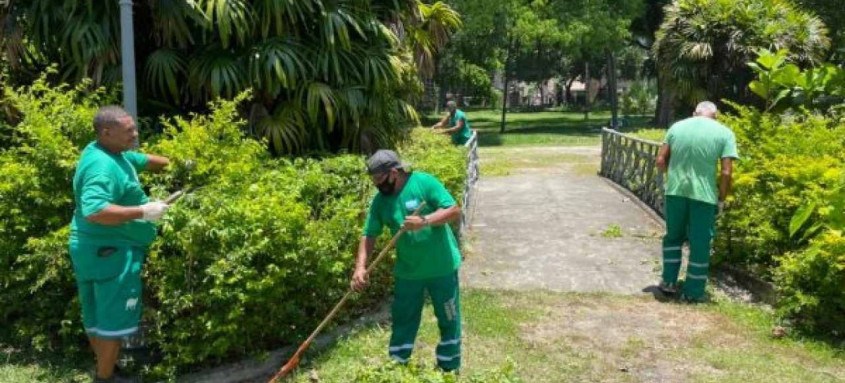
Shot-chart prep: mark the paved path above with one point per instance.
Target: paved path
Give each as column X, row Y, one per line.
column 553, row 228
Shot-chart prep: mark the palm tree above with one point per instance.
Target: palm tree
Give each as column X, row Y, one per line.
column 703, row 46
column 325, row 74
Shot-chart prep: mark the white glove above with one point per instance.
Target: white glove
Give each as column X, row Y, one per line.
column 154, row 210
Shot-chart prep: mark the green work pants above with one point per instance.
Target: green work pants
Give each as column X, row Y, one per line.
column 408, row 299
column 693, row 221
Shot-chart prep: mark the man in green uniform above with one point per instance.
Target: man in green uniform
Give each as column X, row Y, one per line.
column 111, row 229
column 691, row 151
column 427, row 259
column 458, row 124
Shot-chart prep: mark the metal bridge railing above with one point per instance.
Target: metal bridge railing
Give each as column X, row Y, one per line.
column 469, row 185
column 631, row 163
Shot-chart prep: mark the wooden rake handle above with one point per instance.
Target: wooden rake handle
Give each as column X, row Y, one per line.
column 294, row 360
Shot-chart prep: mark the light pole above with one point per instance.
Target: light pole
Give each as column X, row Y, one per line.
column 127, row 47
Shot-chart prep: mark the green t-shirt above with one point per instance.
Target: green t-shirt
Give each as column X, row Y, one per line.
column 695, row 147
column 429, row 252
column 462, row 136
column 101, row 179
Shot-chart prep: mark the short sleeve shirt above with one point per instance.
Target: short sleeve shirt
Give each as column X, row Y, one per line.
column 103, row 178
column 429, row 252
column 695, row 147
column 461, row 136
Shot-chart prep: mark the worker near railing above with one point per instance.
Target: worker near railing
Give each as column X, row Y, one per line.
column 690, row 152
column 458, row 124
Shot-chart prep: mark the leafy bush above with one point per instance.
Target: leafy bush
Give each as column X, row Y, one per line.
column 783, row 85
column 35, row 208
column 786, row 216
column 638, row 100
column 785, row 161
column 248, row 262
column 811, row 285
column 466, row 78
column 415, row 373
column 812, row 281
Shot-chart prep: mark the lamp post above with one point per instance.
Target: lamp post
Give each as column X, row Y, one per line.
column 127, row 47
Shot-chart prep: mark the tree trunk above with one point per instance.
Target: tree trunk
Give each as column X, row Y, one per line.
column 567, row 98
column 611, row 88
column 665, row 111
column 507, row 91
column 587, row 91
column 542, row 94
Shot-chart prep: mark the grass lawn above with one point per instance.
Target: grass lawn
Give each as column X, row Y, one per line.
column 17, row 367
column 539, row 128
column 503, row 161
column 656, row 135
column 569, row 337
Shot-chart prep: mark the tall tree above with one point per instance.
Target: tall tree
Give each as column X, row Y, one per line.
column 833, row 15
column 703, row 46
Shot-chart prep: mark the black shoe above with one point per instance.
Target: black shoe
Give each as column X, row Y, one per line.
column 668, row 288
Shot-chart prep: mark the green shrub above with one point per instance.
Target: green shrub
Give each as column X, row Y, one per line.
column 248, row 262
column 785, row 161
column 35, row 209
column 638, row 100
column 782, row 222
column 811, row 282
column 811, row 285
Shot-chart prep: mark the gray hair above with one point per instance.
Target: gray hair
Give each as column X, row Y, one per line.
column 451, row 105
column 706, row 108
column 108, row 116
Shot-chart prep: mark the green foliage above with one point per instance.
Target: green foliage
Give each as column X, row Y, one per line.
column 612, row 231
column 539, row 39
column 416, row 373
column 833, row 15
column 426, row 151
column 810, row 281
column 471, row 79
column 36, row 206
column 786, row 161
column 783, row 85
column 787, row 213
column 326, row 75
column 810, row 285
column 248, row 262
column 638, row 100
column 703, row 46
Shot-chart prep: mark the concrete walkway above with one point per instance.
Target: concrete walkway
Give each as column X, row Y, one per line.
column 557, row 227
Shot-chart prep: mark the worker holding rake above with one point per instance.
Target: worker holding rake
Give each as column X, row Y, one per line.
column 427, row 255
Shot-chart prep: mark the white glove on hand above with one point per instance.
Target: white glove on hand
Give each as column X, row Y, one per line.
column 154, row 210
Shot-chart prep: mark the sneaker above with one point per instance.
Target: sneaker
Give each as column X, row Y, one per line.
column 668, row 288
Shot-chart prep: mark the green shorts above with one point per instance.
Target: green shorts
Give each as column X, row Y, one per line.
column 109, row 283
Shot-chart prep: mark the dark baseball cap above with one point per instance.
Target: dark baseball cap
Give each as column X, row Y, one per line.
column 384, row 160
